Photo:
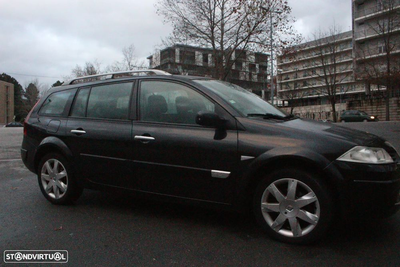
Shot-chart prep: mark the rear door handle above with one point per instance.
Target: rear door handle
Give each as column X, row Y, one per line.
column 144, row 138
column 78, row 132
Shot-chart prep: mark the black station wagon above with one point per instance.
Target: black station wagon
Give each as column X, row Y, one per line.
column 206, row 141
column 356, row 116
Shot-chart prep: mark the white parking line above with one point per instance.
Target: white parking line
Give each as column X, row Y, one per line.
column 7, row 160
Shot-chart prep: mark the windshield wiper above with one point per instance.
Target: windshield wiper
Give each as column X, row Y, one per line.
column 268, row 116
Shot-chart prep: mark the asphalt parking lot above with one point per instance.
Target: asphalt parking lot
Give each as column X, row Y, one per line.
column 114, row 230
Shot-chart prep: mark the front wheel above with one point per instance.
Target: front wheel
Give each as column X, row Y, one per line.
column 293, row 206
column 56, row 180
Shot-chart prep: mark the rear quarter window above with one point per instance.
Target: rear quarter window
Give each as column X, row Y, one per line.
column 56, row 103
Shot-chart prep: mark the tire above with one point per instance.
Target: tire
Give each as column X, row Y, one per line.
column 365, row 120
column 342, row 121
column 57, row 181
column 301, row 215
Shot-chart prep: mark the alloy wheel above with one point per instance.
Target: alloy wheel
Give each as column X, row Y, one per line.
column 290, row 207
column 54, row 178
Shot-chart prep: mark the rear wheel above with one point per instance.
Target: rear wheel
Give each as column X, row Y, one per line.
column 56, row 180
column 293, row 206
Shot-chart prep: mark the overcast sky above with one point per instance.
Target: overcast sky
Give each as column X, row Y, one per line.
column 45, row 39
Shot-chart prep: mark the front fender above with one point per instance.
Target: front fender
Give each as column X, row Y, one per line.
column 283, row 157
column 287, row 154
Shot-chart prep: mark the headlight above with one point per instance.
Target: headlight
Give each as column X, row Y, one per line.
column 372, row 117
column 370, row 155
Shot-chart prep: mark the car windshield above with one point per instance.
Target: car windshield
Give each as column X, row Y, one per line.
column 245, row 102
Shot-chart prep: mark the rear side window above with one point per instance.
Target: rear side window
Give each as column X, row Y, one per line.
column 56, row 103
column 79, row 108
column 110, row 101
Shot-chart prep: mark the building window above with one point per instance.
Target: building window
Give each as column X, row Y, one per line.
column 205, row 59
column 379, row 5
column 381, row 48
column 187, row 57
column 238, row 65
column 252, row 67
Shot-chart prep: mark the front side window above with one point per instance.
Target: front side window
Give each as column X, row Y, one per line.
column 110, row 101
column 171, row 102
column 56, row 103
column 240, row 99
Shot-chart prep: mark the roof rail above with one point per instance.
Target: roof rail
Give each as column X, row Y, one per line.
column 116, row 75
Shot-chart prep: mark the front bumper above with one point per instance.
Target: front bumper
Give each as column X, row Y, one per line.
column 369, row 189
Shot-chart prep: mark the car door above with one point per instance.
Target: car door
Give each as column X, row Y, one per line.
column 99, row 133
column 352, row 116
column 175, row 156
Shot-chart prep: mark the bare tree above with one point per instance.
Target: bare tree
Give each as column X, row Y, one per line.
column 331, row 65
column 378, row 59
column 228, row 27
column 292, row 95
column 90, row 68
column 129, row 61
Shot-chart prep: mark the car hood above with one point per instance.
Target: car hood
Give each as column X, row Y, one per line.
column 334, row 131
column 328, row 139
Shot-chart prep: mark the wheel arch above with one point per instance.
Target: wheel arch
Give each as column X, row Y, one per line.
column 304, row 160
column 51, row 145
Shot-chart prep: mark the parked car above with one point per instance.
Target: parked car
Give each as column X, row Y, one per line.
column 356, row 116
column 206, row 141
column 14, row 124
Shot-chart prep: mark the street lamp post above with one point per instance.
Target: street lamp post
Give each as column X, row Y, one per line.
column 272, row 52
column 272, row 62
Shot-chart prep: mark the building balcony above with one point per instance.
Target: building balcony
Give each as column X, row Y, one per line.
column 305, row 58
column 377, row 55
column 371, row 32
column 314, row 76
column 297, row 69
column 368, row 13
column 313, row 86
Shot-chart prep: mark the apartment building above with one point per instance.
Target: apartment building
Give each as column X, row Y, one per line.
column 6, row 102
column 303, row 72
column 249, row 71
column 376, row 45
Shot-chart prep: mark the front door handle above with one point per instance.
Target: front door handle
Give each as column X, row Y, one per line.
column 144, row 138
column 78, row 132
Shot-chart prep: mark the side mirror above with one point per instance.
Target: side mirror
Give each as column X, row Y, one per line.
column 210, row 119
